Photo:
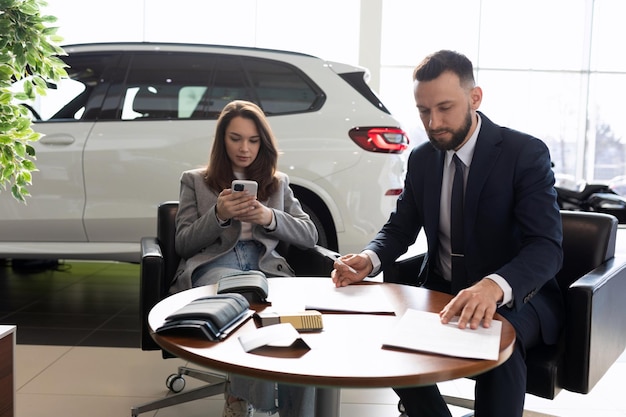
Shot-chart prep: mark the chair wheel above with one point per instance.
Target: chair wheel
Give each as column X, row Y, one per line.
column 401, row 408
column 175, row 383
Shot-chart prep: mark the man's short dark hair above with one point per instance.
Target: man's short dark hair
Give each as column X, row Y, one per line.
column 439, row 62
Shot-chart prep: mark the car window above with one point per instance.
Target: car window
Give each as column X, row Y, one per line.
column 169, row 85
column 229, row 83
column 57, row 96
column 165, row 86
column 282, row 88
column 77, row 97
column 198, row 86
column 358, row 82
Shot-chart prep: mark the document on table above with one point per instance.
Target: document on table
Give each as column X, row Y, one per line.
column 352, row 299
column 423, row 331
column 369, row 299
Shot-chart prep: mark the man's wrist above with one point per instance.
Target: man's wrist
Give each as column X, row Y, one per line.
column 506, row 295
column 374, row 260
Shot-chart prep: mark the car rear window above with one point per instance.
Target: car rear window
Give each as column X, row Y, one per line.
column 357, row 81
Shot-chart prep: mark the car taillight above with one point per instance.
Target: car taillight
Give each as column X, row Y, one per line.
column 380, row 139
column 393, row 192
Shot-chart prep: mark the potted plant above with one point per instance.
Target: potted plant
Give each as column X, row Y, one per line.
column 29, row 52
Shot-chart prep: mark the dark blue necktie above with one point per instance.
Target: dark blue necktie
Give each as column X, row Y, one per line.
column 459, row 280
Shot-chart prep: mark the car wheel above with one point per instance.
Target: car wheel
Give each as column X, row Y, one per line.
column 322, row 237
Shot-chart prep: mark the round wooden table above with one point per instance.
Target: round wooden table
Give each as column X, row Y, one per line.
column 347, row 353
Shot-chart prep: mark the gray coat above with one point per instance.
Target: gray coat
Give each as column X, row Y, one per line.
column 200, row 238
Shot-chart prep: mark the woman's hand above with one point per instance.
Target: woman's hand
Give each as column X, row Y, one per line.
column 243, row 207
column 257, row 214
column 231, row 205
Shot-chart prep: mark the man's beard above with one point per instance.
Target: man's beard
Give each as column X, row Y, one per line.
column 458, row 136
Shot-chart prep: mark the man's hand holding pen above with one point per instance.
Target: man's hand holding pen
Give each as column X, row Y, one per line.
column 350, row 269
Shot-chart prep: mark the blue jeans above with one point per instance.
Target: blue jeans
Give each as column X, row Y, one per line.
column 244, row 257
column 293, row 401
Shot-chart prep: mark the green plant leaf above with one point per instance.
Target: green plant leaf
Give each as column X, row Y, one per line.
column 18, row 192
column 6, row 71
column 19, row 149
column 30, row 150
column 29, row 8
column 28, row 51
column 7, row 152
column 29, row 165
column 23, row 179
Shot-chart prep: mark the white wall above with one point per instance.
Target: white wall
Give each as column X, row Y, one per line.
column 326, row 28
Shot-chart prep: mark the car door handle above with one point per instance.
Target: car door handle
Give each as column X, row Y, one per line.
column 57, row 139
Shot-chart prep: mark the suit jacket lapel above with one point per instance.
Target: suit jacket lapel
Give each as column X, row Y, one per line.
column 485, row 156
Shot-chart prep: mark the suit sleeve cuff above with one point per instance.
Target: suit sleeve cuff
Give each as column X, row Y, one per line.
column 375, row 261
column 507, row 298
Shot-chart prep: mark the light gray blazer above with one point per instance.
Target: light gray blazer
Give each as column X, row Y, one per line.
column 200, row 238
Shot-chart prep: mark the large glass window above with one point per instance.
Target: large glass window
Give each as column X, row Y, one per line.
column 569, row 48
column 552, row 69
column 606, row 130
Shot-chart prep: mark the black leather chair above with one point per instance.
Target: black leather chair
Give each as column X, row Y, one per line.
column 159, row 262
column 593, row 282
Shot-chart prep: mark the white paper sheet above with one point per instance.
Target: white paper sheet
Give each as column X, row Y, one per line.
column 369, row 299
column 423, row 331
column 353, row 299
column 278, row 335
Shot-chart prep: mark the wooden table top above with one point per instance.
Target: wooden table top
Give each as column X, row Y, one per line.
column 347, row 353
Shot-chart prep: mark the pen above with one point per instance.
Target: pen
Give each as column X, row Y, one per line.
column 339, row 261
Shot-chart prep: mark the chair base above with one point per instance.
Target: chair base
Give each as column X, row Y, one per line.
column 216, row 386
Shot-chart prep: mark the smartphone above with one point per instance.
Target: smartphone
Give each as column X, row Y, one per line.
column 245, row 185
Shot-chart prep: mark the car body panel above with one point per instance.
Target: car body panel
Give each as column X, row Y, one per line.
column 54, row 210
column 101, row 179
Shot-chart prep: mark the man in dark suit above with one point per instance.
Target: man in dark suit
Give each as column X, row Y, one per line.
column 511, row 244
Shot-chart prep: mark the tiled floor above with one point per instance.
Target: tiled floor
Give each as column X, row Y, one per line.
column 78, row 354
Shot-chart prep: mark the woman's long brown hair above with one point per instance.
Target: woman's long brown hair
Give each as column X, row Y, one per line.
column 219, row 173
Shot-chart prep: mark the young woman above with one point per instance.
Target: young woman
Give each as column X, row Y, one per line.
column 219, row 231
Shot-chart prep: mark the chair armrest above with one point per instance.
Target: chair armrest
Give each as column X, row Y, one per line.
column 595, row 334
column 404, row 271
column 314, row 262
column 150, row 292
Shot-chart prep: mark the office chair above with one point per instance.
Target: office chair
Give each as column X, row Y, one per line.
column 159, row 262
column 593, row 283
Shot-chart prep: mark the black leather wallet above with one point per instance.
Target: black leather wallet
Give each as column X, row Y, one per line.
column 212, row 317
column 251, row 284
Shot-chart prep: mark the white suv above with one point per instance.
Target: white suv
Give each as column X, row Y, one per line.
column 133, row 116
